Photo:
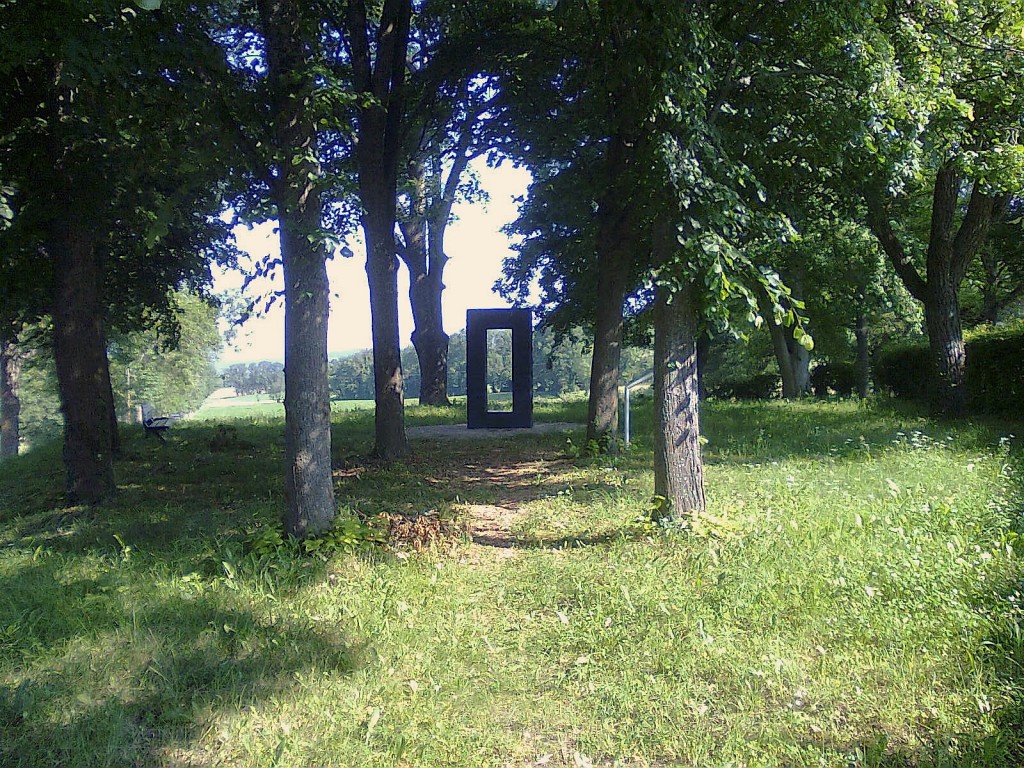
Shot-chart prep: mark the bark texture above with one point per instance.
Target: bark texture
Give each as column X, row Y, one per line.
column 309, row 488
column 423, row 229
column 79, row 345
column 10, row 402
column 951, row 248
column 793, row 360
column 613, row 265
column 380, row 75
column 678, row 467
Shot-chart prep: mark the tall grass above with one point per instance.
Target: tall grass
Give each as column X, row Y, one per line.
column 851, row 599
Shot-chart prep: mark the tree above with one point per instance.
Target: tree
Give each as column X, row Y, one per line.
column 170, row 369
column 997, row 279
column 291, row 53
column 584, row 227
column 10, row 403
column 678, row 466
column 103, row 187
column 378, row 54
column 923, row 96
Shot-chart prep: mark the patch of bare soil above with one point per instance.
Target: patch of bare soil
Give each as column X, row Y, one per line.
column 492, row 484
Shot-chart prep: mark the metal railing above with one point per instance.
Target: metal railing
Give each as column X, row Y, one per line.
column 626, row 411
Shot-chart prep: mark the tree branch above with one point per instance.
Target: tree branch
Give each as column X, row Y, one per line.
column 982, row 210
column 878, row 222
column 359, row 46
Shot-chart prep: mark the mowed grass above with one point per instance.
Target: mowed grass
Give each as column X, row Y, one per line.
column 851, row 599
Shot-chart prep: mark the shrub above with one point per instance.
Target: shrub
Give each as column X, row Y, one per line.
column 834, row 377
column 759, row 387
column 904, row 371
column 995, row 369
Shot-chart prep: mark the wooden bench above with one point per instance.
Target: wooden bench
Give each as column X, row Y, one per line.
column 156, row 426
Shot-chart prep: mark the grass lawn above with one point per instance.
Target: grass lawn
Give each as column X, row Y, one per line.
column 851, row 599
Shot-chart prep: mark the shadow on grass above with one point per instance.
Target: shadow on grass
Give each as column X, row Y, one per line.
column 764, row 431
column 104, row 681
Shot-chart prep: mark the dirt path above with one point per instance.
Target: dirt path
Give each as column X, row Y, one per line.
column 509, row 481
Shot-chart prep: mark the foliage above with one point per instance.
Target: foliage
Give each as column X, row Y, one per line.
column 264, row 377
column 347, row 534
column 120, row 108
column 173, row 374
column 558, row 367
column 834, row 377
column 852, row 599
column 995, row 369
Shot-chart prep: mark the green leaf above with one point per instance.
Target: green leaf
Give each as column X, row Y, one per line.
column 148, row 5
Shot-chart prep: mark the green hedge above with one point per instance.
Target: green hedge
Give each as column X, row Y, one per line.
column 995, row 370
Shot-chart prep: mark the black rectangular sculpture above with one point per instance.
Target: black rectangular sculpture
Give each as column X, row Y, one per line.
column 478, row 323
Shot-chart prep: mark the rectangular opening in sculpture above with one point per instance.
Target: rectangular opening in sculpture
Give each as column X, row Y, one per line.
column 499, row 370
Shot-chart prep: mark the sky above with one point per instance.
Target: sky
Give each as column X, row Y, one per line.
column 474, row 242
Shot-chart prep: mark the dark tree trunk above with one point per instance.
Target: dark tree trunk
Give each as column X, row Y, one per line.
column 424, row 256
column 390, row 441
column 431, row 343
column 10, row 402
column 380, row 76
column 79, row 347
column 309, row 488
column 678, row 467
column 863, row 365
column 613, row 262
column 946, row 340
column 950, row 251
column 790, row 391
column 780, row 345
column 800, row 362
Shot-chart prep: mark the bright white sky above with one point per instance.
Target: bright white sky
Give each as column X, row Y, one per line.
column 474, row 242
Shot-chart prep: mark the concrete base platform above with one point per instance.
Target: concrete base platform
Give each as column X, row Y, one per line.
column 462, row 432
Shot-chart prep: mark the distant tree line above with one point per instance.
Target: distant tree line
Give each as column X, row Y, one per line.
column 559, row 368
column 263, row 378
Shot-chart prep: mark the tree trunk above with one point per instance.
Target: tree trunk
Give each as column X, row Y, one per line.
column 424, row 256
column 780, row 345
column 79, row 347
column 863, row 365
column 10, row 402
column 946, row 340
column 309, row 487
column 800, row 361
column 378, row 73
column 391, row 442
column 678, row 467
column 990, row 303
column 613, row 258
column 950, row 251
